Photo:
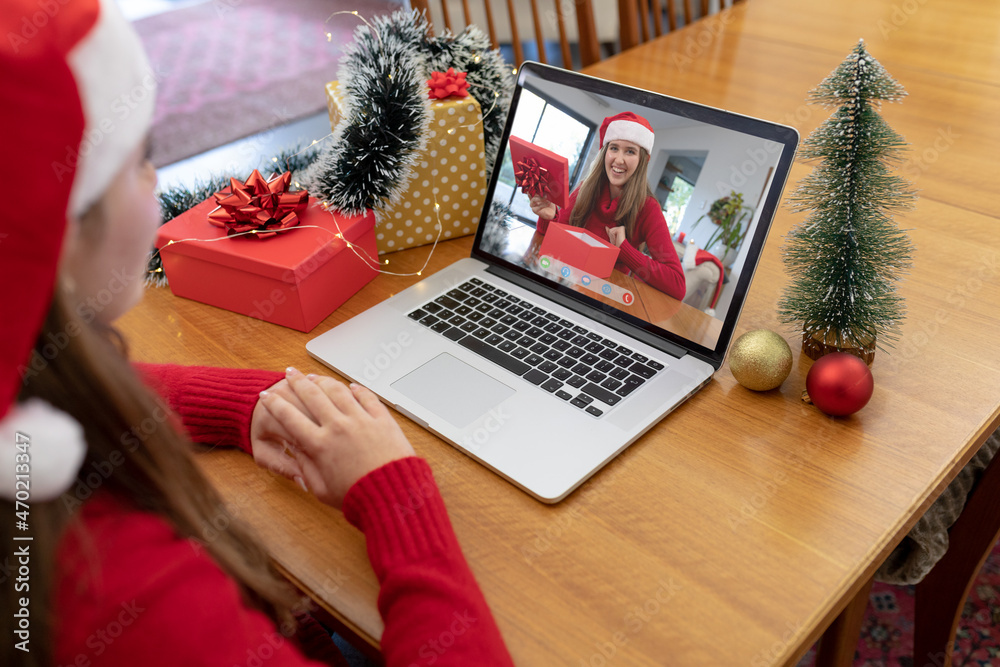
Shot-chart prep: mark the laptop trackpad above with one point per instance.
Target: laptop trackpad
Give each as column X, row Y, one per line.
column 453, row 390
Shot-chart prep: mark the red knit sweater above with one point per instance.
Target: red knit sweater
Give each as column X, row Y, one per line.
column 130, row 592
column 663, row 270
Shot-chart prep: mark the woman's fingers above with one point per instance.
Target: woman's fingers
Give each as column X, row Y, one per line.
column 281, row 463
column 367, row 400
column 353, row 433
column 538, row 204
column 616, row 235
column 284, row 389
column 339, row 395
column 296, row 423
column 311, row 479
column 315, row 400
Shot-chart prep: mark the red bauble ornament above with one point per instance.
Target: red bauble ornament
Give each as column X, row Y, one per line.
column 839, row 384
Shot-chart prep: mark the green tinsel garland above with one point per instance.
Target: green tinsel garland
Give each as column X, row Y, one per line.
column 368, row 162
column 386, row 110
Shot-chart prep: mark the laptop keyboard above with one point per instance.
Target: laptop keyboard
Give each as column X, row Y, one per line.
column 567, row 360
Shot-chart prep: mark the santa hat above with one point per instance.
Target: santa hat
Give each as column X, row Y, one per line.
column 627, row 126
column 78, row 99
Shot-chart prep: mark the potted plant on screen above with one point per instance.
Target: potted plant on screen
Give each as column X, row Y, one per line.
column 729, row 213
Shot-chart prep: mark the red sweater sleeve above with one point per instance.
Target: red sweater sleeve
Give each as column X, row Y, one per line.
column 214, row 404
column 663, row 270
column 433, row 610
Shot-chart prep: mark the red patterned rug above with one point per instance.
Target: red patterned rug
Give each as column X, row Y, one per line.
column 887, row 633
column 227, row 69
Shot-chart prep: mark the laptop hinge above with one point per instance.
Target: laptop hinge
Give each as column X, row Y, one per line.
column 591, row 313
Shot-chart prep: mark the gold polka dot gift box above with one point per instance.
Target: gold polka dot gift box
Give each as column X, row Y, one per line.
column 450, row 171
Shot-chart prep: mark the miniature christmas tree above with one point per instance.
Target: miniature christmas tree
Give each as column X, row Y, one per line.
column 847, row 256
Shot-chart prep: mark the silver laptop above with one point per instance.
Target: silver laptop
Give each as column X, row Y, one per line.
column 535, row 358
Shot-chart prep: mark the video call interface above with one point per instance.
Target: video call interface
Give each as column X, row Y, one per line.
column 709, row 182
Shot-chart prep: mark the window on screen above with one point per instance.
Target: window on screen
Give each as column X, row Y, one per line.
column 541, row 122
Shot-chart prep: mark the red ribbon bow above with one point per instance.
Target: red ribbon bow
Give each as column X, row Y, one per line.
column 532, row 177
column 447, row 84
column 264, row 206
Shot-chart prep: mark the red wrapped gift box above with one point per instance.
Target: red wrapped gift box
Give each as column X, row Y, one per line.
column 579, row 248
column 295, row 278
column 529, row 159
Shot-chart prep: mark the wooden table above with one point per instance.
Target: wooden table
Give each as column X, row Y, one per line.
column 739, row 527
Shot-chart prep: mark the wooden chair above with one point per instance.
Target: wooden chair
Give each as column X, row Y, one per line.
column 642, row 20
column 940, row 597
column 546, row 21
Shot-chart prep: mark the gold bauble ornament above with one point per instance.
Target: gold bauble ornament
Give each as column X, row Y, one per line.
column 760, row 360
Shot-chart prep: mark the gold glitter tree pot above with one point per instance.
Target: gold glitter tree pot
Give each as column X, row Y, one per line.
column 817, row 345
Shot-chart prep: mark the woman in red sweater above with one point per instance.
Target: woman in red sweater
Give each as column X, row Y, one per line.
column 123, row 552
column 615, row 201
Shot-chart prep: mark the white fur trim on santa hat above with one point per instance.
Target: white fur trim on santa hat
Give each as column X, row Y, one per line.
column 627, row 130
column 41, row 451
column 117, row 88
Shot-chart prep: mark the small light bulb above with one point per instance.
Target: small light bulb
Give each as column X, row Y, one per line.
column 329, row 37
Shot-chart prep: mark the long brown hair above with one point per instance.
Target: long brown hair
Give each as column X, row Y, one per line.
column 81, row 368
column 630, row 201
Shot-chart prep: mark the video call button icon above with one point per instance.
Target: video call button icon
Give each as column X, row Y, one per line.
column 572, row 274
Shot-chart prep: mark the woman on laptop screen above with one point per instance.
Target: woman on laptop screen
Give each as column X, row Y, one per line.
column 615, row 202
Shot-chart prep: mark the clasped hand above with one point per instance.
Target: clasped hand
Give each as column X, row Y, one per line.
column 335, row 434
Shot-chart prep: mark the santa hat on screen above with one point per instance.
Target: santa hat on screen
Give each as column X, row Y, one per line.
column 78, row 99
column 627, row 126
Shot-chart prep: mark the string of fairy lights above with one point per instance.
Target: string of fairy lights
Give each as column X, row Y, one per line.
column 358, row 250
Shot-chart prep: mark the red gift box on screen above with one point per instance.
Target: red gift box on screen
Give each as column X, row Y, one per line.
column 295, row 278
column 539, row 171
column 580, row 249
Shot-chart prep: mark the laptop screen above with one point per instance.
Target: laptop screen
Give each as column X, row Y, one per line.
column 645, row 211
